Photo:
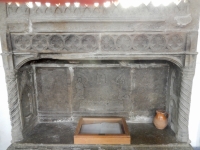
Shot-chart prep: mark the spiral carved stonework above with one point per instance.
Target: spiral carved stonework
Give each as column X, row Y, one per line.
column 184, row 104
column 56, row 42
column 175, row 42
column 22, row 42
column 141, row 42
column 89, row 42
column 158, row 42
column 14, row 106
column 124, row 43
column 39, row 42
column 72, row 42
column 107, row 43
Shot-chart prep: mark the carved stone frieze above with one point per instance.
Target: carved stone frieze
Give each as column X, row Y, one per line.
column 94, row 42
column 124, row 43
column 175, row 42
column 141, row 42
column 72, row 42
column 89, row 42
column 39, row 42
column 55, row 42
column 158, row 42
column 107, row 43
column 22, row 42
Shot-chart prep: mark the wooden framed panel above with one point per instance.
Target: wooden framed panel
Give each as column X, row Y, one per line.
column 80, row 138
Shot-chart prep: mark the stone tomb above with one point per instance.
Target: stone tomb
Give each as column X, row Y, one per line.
column 63, row 63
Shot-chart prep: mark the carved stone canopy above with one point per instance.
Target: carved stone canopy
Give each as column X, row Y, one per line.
column 62, row 63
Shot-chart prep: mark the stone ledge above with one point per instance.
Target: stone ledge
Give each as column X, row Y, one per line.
column 18, row 146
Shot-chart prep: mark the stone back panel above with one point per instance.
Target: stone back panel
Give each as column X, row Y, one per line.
column 66, row 91
column 52, row 93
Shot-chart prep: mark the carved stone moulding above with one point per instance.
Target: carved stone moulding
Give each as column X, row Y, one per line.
column 55, row 42
column 20, row 60
column 146, row 17
column 77, row 42
column 143, row 42
column 101, row 12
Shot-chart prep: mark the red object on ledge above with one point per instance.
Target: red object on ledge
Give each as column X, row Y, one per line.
column 82, row 2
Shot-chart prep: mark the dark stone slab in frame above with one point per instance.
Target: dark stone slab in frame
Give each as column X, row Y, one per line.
column 101, row 88
column 52, row 88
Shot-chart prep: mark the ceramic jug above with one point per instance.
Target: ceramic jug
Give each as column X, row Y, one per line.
column 160, row 119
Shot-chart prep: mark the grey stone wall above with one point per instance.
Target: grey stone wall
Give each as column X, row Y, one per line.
column 66, row 91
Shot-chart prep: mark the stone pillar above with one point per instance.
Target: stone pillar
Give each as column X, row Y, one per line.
column 184, row 104
column 14, row 106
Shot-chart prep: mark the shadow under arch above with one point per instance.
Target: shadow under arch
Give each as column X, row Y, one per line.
column 173, row 60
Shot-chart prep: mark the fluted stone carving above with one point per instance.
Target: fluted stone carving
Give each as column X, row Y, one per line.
column 14, row 106
column 184, row 104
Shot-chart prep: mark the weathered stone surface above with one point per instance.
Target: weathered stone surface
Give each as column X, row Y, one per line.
column 31, row 145
column 76, row 43
column 98, row 147
column 65, row 90
column 140, row 18
column 100, row 88
column 62, row 133
column 27, row 95
column 165, row 36
column 174, row 97
column 14, row 106
column 55, row 42
column 150, row 90
column 52, row 93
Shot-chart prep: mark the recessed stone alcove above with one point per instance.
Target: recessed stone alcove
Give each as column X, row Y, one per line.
column 62, row 63
column 131, row 89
